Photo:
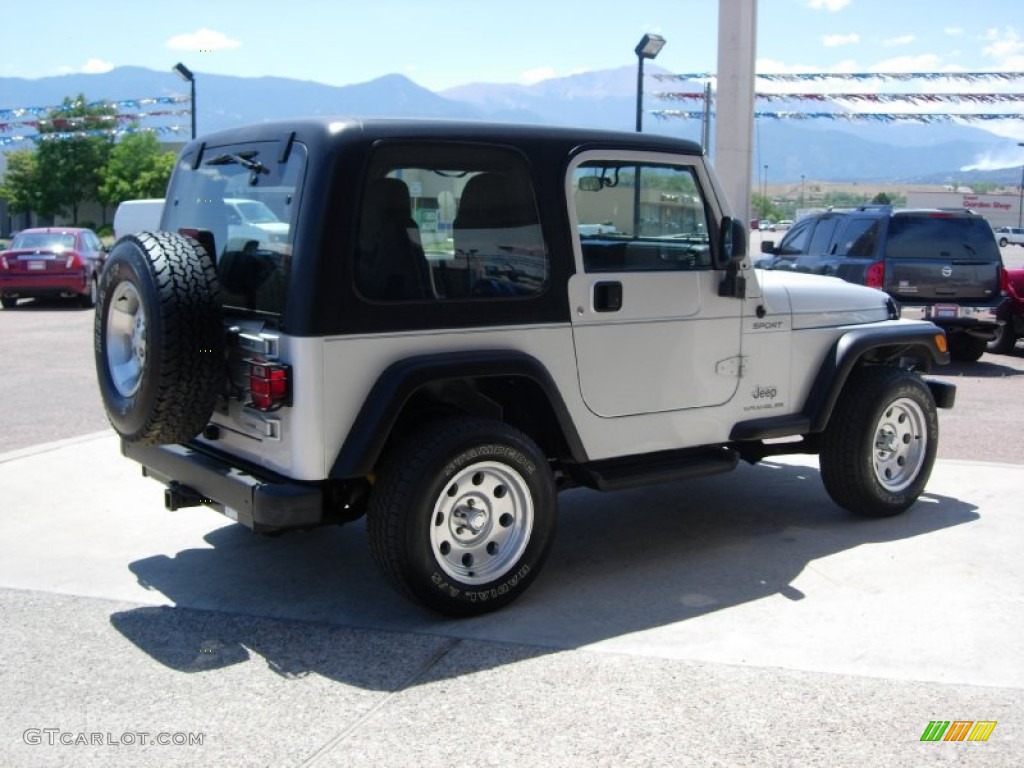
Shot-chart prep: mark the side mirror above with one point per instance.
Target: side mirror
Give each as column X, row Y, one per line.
column 734, row 241
column 734, row 250
column 768, row 246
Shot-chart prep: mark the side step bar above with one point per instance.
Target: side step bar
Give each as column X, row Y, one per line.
column 647, row 469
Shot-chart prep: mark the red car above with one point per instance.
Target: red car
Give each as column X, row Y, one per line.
column 51, row 262
column 1011, row 312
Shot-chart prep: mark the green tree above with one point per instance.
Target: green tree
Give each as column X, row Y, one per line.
column 21, row 187
column 881, row 199
column 71, row 155
column 138, row 168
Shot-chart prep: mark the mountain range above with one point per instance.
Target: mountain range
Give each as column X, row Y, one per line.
column 822, row 150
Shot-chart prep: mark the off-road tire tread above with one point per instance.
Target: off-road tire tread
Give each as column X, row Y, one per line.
column 850, row 480
column 186, row 338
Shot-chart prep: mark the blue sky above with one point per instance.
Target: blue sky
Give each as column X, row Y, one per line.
column 442, row 43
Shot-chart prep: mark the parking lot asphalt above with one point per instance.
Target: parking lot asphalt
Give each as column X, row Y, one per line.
column 734, row 620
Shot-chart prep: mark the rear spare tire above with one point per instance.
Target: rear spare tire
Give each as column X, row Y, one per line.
column 159, row 338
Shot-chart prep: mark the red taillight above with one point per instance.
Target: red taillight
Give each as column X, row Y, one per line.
column 875, row 277
column 268, row 384
column 73, row 261
column 3, row 261
column 1004, row 280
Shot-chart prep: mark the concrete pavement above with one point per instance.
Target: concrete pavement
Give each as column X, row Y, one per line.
column 735, row 620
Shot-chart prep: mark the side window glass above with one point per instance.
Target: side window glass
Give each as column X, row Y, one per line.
column 640, row 217
column 860, row 238
column 796, row 239
column 822, row 238
column 442, row 223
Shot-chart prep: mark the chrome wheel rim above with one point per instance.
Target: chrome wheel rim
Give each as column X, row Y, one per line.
column 481, row 523
column 900, row 444
column 126, row 339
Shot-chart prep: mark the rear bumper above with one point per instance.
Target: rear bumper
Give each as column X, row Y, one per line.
column 24, row 286
column 260, row 502
column 977, row 321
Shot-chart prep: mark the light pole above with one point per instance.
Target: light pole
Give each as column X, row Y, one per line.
column 801, row 190
column 186, row 74
column 1020, row 201
column 648, row 47
column 764, row 195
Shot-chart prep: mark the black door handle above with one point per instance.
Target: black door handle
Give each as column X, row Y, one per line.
column 608, row 296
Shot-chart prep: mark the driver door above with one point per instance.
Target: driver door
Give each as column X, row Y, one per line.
column 650, row 331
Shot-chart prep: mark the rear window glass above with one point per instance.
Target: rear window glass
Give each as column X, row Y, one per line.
column 941, row 237
column 55, row 241
column 246, row 201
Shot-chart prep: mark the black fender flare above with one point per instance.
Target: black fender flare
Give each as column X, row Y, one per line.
column 402, row 379
column 835, row 369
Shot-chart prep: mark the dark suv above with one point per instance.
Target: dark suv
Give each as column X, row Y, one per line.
column 943, row 265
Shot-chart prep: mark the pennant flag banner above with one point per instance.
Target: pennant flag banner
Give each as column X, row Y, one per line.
column 871, row 98
column 38, row 137
column 878, row 117
column 968, row 77
column 15, row 114
column 77, row 122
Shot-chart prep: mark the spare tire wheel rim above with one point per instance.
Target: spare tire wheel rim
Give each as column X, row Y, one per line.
column 126, row 339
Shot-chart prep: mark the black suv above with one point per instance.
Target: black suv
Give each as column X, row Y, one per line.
column 943, row 265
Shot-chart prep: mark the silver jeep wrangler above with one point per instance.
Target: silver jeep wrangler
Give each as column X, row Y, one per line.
column 442, row 325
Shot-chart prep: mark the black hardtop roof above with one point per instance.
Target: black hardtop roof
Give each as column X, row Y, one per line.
column 344, row 130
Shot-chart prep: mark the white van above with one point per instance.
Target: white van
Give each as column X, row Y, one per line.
column 137, row 215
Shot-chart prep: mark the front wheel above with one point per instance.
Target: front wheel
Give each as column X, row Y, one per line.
column 966, row 348
column 1002, row 242
column 462, row 515
column 878, row 450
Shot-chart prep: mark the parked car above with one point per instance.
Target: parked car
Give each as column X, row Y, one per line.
column 1010, row 236
column 51, row 262
column 442, row 343
column 939, row 264
column 1011, row 314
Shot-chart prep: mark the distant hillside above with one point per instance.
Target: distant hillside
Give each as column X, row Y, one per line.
column 823, row 150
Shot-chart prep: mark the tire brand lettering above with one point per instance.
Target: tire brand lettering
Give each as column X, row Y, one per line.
column 480, row 595
column 503, row 451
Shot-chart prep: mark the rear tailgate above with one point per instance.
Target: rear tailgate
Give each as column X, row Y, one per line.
column 36, row 262
column 938, row 257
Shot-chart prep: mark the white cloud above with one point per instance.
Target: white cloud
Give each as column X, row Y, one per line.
column 901, row 40
column 953, row 31
column 833, row 41
column 202, row 40
column 1002, row 44
column 91, row 67
column 828, row 5
column 96, row 66
column 531, row 76
column 925, row 62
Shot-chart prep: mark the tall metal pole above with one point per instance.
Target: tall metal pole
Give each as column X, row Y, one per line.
column 639, row 91
column 192, row 82
column 1020, row 202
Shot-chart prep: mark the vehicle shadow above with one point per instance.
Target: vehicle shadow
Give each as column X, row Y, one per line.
column 622, row 563
column 49, row 305
column 989, row 367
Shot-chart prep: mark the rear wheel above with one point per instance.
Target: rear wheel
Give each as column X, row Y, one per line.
column 88, row 300
column 159, row 338
column 878, row 450
column 1004, row 342
column 462, row 516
